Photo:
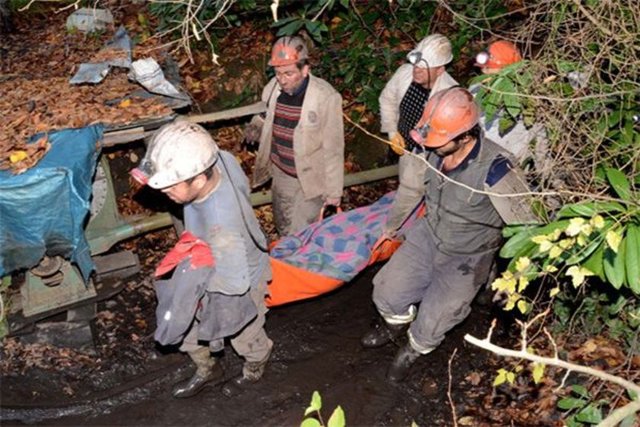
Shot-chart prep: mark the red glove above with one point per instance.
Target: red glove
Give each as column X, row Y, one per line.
column 188, row 246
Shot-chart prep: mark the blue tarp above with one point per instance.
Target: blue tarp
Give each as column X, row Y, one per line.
column 43, row 210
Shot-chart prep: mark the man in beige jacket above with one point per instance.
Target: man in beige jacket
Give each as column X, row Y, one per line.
column 301, row 139
column 401, row 104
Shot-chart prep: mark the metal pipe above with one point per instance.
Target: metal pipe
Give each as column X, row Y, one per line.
column 363, row 177
column 109, row 238
column 104, row 242
column 232, row 113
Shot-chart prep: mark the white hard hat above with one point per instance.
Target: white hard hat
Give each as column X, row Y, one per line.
column 432, row 51
column 178, row 151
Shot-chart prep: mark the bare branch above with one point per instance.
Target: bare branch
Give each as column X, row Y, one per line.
column 453, row 407
column 620, row 414
column 553, row 361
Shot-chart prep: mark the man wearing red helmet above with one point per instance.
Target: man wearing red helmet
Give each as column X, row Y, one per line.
column 301, row 139
column 447, row 255
column 518, row 138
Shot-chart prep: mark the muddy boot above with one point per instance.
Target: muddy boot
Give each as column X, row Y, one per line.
column 383, row 333
column 208, row 369
column 251, row 373
column 405, row 358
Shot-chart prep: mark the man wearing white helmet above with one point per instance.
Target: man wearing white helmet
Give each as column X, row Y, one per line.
column 401, row 103
column 184, row 162
column 301, row 139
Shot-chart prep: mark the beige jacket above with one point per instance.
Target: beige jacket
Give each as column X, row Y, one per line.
column 394, row 91
column 318, row 140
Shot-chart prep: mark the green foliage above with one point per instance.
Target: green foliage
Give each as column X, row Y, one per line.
column 336, row 419
column 504, row 376
column 307, row 19
column 362, row 46
column 172, row 14
column 477, row 17
column 582, row 410
column 586, row 239
column 598, row 312
column 501, row 91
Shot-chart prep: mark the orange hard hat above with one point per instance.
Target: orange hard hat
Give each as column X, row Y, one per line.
column 448, row 114
column 499, row 54
column 288, row 50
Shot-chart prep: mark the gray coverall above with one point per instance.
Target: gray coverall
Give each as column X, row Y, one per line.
column 448, row 254
column 225, row 220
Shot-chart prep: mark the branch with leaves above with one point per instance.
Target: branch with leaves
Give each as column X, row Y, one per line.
column 540, row 362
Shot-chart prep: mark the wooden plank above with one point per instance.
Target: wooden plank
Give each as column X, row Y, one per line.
column 232, row 113
column 116, row 137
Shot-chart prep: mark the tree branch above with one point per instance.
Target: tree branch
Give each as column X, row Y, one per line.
column 449, row 396
column 553, row 361
column 620, row 414
column 612, row 419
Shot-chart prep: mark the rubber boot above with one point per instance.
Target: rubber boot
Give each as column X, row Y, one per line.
column 382, row 334
column 251, row 374
column 208, row 369
column 405, row 358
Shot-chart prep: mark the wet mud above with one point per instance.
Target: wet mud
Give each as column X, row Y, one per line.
column 316, row 348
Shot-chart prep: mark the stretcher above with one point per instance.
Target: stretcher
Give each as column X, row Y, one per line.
column 329, row 253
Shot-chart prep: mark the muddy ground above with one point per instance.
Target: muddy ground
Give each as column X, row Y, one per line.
column 316, row 348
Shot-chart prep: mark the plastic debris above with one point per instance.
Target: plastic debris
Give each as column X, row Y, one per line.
column 116, row 53
column 89, row 19
column 148, row 73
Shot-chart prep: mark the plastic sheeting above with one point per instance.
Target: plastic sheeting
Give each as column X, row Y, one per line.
column 43, row 211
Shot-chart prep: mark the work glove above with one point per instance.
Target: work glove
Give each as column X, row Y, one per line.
column 388, row 235
column 397, row 143
column 330, row 207
column 252, row 133
column 188, row 246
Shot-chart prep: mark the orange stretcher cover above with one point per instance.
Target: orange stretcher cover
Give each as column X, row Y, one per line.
column 290, row 283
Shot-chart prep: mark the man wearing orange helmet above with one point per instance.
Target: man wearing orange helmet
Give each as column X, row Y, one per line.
column 401, row 103
column 301, row 139
column 448, row 254
column 517, row 139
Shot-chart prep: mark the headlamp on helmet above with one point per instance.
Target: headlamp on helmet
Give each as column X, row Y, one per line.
column 498, row 55
column 448, row 114
column 415, row 58
column 142, row 173
column 420, row 133
column 482, row 58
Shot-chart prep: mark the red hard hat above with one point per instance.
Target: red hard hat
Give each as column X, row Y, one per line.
column 287, row 51
column 448, row 113
column 499, row 54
